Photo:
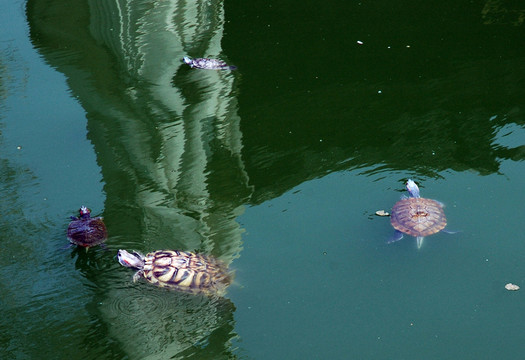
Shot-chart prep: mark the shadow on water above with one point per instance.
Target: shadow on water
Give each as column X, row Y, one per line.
column 411, row 98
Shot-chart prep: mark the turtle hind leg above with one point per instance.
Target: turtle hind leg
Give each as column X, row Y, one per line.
column 396, row 236
column 420, row 241
column 68, row 246
column 447, row 231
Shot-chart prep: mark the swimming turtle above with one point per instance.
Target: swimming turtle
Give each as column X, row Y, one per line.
column 180, row 270
column 417, row 216
column 86, row 231
column 208, row 64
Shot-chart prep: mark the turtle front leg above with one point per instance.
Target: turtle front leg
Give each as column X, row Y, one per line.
column 138, row 275
column 396, row 236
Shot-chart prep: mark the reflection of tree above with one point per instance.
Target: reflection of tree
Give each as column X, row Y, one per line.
column 18, row 239
column 13, row 180
column 503, row 12
column 169, row 146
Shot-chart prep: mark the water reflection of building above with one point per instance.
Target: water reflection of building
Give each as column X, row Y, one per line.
column 168, row 142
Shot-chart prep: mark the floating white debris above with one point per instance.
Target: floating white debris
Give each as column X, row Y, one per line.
column 512, row 287
column 359, row 42
column 382, row 213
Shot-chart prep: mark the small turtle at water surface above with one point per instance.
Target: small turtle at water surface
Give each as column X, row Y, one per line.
column 86, row 231
column 180, row 270
column 416, row 216
column 208, row 64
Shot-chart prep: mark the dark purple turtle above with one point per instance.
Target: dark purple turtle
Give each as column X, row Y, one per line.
column 86, row 231
column 417, row 216
column 208, row 64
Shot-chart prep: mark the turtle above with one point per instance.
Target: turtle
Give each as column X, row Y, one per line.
column 180, row 270
column 208, row 64
column 416, row 216
column 86, row 231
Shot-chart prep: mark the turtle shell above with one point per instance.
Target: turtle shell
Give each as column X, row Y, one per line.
column 186, row 271
column 418, row 216
column 208, row 64
column 87, row 231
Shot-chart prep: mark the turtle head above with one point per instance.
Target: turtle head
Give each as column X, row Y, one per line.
column 135, row 260
column 412, row 188
column 84, row 212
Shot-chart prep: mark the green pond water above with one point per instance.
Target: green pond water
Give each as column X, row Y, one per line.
column 276, row 168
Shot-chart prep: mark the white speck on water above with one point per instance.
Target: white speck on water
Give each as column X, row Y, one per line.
column 512, row 287
column 359, row 42
column 379, row 92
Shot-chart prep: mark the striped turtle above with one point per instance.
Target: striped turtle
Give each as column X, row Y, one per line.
column 180, row 270
column 417, row 216
column 208, row 64
column 86, row 231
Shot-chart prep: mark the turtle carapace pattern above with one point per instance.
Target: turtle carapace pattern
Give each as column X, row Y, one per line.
column 180, row 270
column 417, row 216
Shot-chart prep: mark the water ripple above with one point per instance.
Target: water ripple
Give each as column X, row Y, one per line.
column 150, row 320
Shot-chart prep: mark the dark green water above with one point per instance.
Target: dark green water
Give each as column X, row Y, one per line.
column 276, row 168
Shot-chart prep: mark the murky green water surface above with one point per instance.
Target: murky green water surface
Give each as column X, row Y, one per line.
column 276, row 168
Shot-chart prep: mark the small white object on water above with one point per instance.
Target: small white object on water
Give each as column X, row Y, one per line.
column 382, row 213
column 512, row 287
column 359, row 42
